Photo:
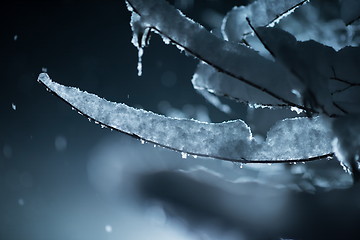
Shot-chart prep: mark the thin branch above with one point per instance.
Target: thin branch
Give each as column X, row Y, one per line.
column 261, row 40
column 340, row 108
column 341, row 90
column 352, row 84
column 345, row 81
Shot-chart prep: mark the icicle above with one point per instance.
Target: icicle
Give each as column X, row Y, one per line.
column 140, row 38
column 139, row 65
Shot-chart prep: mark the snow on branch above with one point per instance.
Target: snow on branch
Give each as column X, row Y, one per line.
column 232, row 59
column 290, row 140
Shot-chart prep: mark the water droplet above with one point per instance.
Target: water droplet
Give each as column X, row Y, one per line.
column 154, row 145
column 16, row 37
column 60, row 143
column 184, row 155
column 13, row 106
column 44, row 69
column 108, row 228
column 21, row 202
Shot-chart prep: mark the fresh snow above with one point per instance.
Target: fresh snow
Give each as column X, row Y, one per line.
column 291, row 139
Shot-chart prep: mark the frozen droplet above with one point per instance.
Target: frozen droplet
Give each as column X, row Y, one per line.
column 296, row 109
column 129, row 7
column 140, row 38
column 13, row 106
column 60, row 143
column 96, row 122
column 139, row 65
column 165, row 39
column 89, row 119
column 108, row 228
column 102, row 126
column 269, row 164
column 241, row 165
column 72, row 108
column 184, row 155
column 194, row 156
column 16, row 37
column 44, row 69
column 21, row 202
column 154, row 145
column 296, row 93
column 128, row 96
column 142, row 141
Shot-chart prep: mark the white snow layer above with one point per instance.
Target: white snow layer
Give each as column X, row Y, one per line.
column 289, row 139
